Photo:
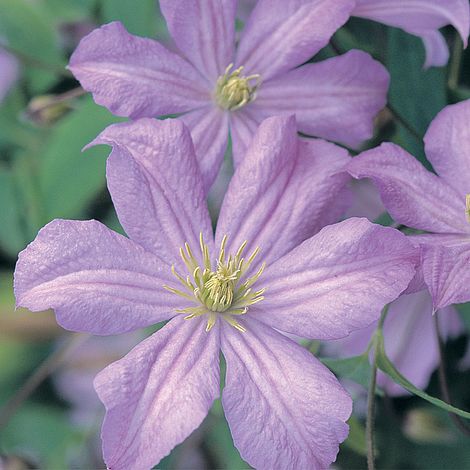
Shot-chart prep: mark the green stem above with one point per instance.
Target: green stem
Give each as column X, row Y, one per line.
column 370, row 420
column 444, row 386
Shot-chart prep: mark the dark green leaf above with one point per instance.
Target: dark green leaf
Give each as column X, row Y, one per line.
column 355, row 368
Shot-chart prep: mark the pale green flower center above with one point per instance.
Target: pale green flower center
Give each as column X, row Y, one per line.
column 224, row 291
column 234, row 90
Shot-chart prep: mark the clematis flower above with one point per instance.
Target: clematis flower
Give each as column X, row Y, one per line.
column 422, row 18
column 217, row 87
column 8, row 72
column 410, row 340
column 263, row 271
column 433, row 203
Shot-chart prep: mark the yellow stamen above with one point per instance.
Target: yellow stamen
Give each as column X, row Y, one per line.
column 233, row 90
column 220, row 292
column 467, row 207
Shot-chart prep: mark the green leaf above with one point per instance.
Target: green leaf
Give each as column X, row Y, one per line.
column 355, row 368
column 68, row 10
column 385, row 365
column 12, row 236
column 28, row 30
column 68, row 178
column 416, row 93
column 138, row 17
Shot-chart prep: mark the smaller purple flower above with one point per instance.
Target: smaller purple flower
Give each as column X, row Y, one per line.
column 410, row 340
column 437, row 204
column 422, row 18
column 263, row 271
column 218, row 86
column 9, row 70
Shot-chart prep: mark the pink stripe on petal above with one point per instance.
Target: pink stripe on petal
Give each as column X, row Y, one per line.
column 336, row 99
column 337, row 281
column 96, row 280
column 156, row 186
column 209, row 128
column 263, row 203
column 283, row 34
column 284, row 408
column 158, row 393
column 204, row 31
column 134, row 76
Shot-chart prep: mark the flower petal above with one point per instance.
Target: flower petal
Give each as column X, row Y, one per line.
column 447, row 145
column 209, row 128
column 203, row 31
column 337, row 281
column 156, row 186
column 445, row 261
column 410, row 340
column 262, row 204
column 284, row 408
column 136, row 77
column 282, row 34
column 336, row 99
column 158, row 394
column 437, row 51
column 96, row 280
column 9, row 71
column 414, row 196
column 418, row 16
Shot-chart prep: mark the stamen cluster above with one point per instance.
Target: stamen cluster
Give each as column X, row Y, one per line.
column 221, row 292
column 233, row 90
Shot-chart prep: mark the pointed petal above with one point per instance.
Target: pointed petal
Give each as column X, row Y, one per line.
column 96, row 280
column 337, row 281
column 156, row 186
column 437, row 51
column 284, row 408
column 414, row 196
column 352, row 86
column 447, row 145
column 283, row 34
column 262, row 204
column 243, row 126
column 203, row 31
column 445, row 261
column 158, row 394
column 136, row 77
column 418, row 16
column 209, row 128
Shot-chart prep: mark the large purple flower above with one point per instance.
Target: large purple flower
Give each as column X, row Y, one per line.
column 220, row 87
column 261, row 271
column 422, row 18
column 425, row 201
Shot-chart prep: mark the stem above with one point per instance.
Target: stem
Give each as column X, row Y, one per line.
column 456, row 60
column 41, row 373
column 33, row 62
column 370, row 421
column 444, row 386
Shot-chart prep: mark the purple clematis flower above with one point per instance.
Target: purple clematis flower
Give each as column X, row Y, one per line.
column 262, row 270
column 9, row 71
column 422, row 18
column 410, row 340
column 425, row 201
column 219, row 87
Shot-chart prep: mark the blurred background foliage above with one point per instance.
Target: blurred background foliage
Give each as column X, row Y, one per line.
column 45, row 121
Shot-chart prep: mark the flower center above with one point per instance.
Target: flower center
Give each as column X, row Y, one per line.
column 233, row 90
column 223, row 292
